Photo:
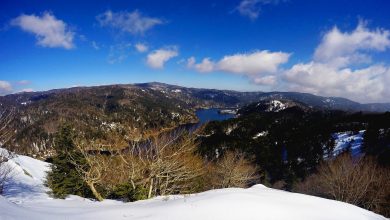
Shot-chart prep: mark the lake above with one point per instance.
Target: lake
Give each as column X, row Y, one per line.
column 211, row 114
column 204, row 116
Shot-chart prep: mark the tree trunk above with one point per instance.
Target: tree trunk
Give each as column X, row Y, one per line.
column 95, row 192
column 150, row 189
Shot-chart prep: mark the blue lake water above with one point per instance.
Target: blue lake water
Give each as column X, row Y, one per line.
column 204, row 116
column 211, row 114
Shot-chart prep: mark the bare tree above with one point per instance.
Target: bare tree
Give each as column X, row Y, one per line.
column 233, row 170
column 164, row 164
column 358, row 181
column 6, row 117
column 94, row 166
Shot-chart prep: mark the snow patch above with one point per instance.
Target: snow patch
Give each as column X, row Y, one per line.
column 348, row 141
column 260, row 134
column 274, row 106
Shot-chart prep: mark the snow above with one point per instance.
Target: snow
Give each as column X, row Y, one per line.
column 228, row 111
column 345, row 139
column 260, row 134
column 258, row 202
column 275, row 106
column 28, row 179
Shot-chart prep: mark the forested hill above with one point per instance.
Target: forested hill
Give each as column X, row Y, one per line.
column 289, row 139
column 35, row 116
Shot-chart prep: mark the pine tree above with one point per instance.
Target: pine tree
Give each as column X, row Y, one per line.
column 63, row 179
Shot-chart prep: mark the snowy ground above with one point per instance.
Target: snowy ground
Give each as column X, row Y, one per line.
column 26, row 198
column 345, row 140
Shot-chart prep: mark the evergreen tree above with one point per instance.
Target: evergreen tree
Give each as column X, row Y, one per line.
column 63, row 178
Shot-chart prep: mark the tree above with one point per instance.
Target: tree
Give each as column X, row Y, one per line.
column 359, row 181
column 6, row 117
column 151, row 164
column 164, row 164
column 233, row 170
column 64, row 179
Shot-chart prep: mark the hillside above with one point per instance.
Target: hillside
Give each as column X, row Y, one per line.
column 94, row 111
column 26, row 198
column 289, row 139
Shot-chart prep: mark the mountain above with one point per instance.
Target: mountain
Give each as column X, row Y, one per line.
column 272, row 105
column 94, row 111
column 229, row 98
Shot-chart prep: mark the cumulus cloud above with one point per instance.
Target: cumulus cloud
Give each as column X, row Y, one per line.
column 157, row 58
column 253, row 63
column 142, row 48
column 252, row 8
column 204, row 67
column 342, row 65
column 342, row 49
column 5, row 87
column 130, row 22
column 365, row 85
column 332, row 72
column 48, row 30
column 249, row 64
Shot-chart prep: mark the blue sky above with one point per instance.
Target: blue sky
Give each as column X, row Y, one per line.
column 329, row 48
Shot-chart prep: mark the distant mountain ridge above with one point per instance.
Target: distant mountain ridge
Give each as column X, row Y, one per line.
column 233, row 98
column 97, row 110
column 223, row 98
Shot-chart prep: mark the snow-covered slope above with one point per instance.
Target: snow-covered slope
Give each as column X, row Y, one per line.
column 276, row 106
column 27, row 199
column 348, row 141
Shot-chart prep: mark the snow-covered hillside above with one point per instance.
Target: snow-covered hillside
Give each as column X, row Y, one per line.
column 348, row 141
column 26, row 198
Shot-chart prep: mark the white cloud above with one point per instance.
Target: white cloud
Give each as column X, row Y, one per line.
column 331, row 73
column 49, row 31
column 341, row 49
column 253, row 63
column 5, row 87
column 131, row 22
column 252, row 8
column 142, row 48
column 205, row 66
column 158, row 58
column 364, row 85
column 341, row 66
column 250, row 64
column 265, row 80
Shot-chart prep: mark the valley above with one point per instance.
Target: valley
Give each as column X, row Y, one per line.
column 125, row 108
column 270, row 139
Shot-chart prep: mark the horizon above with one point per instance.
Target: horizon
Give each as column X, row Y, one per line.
column 241, row 45
column 189, row 87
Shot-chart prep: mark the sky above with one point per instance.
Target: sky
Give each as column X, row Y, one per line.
column 329, row 48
